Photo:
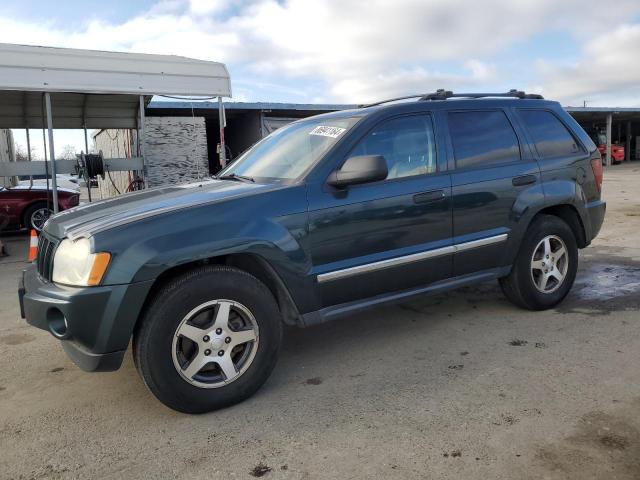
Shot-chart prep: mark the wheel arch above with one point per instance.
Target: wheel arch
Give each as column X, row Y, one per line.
column 247, row 262
column 569, row 214
column 565, row 211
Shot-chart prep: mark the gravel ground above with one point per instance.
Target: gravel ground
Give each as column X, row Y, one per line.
column 461, row 385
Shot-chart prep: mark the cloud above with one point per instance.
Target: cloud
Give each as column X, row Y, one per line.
column 358, row 52
column 207, row 7
column 410, row 81
column 608, row 71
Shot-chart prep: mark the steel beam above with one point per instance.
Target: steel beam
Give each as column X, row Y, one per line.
column 86, row 151
column 36, row 167
column 54, row 183
column 28, row 144
column 141, row 142
column 222, row 121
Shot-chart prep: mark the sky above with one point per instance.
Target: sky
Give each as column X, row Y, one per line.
column 346, row 51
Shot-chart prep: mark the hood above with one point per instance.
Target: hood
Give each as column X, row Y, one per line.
column 89, row 219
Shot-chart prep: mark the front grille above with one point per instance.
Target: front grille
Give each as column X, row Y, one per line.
column 44, row 261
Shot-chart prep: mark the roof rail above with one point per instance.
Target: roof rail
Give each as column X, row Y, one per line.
column 365, row 105
column 443, row 94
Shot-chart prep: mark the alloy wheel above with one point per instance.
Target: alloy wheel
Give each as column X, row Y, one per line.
column 39, row 217
column 549, row 264
column 215, row 343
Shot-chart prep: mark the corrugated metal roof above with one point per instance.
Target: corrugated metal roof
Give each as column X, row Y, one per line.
column 28, row 68
column 70, row 110
column 177, row 105
column 186, row 105
column 599, row 114
column 603, row 109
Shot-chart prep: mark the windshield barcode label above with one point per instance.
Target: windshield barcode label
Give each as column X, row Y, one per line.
column 324, row 131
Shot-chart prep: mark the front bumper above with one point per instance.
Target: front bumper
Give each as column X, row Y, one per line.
column 94, row 324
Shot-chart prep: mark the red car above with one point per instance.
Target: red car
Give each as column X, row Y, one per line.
column 617, row 150
column 25, row 206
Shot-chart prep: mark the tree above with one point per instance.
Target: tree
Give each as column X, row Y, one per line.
column 68, row 153
column 21, row 153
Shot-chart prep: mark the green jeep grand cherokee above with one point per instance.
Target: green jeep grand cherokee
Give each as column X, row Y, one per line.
column 326, row 216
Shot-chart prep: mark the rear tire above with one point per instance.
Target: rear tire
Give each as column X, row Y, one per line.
column 545, row 268
column 219, row 317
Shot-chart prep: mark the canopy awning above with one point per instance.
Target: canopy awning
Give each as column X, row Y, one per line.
column 70, row 110
column 96, row 89
column 71, row 88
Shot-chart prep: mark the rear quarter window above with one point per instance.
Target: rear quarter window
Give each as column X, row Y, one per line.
column 551, row 137
column 482, row 138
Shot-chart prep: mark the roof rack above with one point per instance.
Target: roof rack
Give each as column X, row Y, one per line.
column 442, row 94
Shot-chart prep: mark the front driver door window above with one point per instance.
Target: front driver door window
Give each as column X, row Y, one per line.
column 408, row 213
column 406, row 143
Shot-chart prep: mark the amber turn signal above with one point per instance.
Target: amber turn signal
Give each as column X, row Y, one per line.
column 100, row 264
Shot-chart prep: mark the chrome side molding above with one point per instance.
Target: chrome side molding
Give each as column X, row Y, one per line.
column 414, row 257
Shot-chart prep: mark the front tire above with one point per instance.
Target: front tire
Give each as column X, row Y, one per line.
column 545, row 268
column 36, row 216
column 209, row 339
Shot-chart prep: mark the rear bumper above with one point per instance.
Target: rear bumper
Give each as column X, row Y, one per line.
column 93, row 324
column 595, row 211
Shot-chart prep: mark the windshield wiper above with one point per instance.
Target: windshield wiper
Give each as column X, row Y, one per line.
column 235, row 176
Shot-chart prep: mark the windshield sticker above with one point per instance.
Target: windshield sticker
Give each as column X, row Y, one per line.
column 325, row 131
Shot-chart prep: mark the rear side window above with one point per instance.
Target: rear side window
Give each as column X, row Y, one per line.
column 551, row 137
column 482, row 138
column 406, row 143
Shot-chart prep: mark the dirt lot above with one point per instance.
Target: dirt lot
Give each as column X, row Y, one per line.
column 462, row 385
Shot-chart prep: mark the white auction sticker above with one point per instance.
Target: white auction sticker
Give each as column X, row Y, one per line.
column 325, row 131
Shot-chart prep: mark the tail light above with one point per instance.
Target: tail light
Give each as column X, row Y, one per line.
column 596, row 165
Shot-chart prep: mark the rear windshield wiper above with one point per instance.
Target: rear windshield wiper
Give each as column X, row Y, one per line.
column 235, row 176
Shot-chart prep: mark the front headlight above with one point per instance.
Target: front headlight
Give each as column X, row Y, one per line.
column 75, row 265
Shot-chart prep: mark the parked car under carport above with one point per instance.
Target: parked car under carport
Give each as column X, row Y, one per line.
column 27, row 206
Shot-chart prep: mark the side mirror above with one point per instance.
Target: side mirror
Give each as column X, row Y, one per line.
column 360, row 169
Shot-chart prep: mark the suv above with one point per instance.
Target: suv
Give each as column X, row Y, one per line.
column 324, row 217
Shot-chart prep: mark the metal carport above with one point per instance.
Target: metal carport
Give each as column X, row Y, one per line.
column 71, row 88
column 617, row 122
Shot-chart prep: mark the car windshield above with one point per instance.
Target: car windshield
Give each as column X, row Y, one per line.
column 290, row 151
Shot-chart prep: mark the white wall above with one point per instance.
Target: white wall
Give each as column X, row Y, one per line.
column 7, row 154
column 120, row 143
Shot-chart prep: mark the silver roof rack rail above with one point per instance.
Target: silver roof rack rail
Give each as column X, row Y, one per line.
column 443, row 94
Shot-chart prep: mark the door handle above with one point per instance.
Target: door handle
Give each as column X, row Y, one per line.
column 524, row 180
column 426, row 197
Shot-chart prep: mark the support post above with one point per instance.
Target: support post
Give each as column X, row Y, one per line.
column 627, row 144
column 608, row 150
column 86, row 140
column 28, row 144
column 141, row 140
column 29, row 154
column 222, row 122
column 54, row 182
column 86, row 152
column 44, row 151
